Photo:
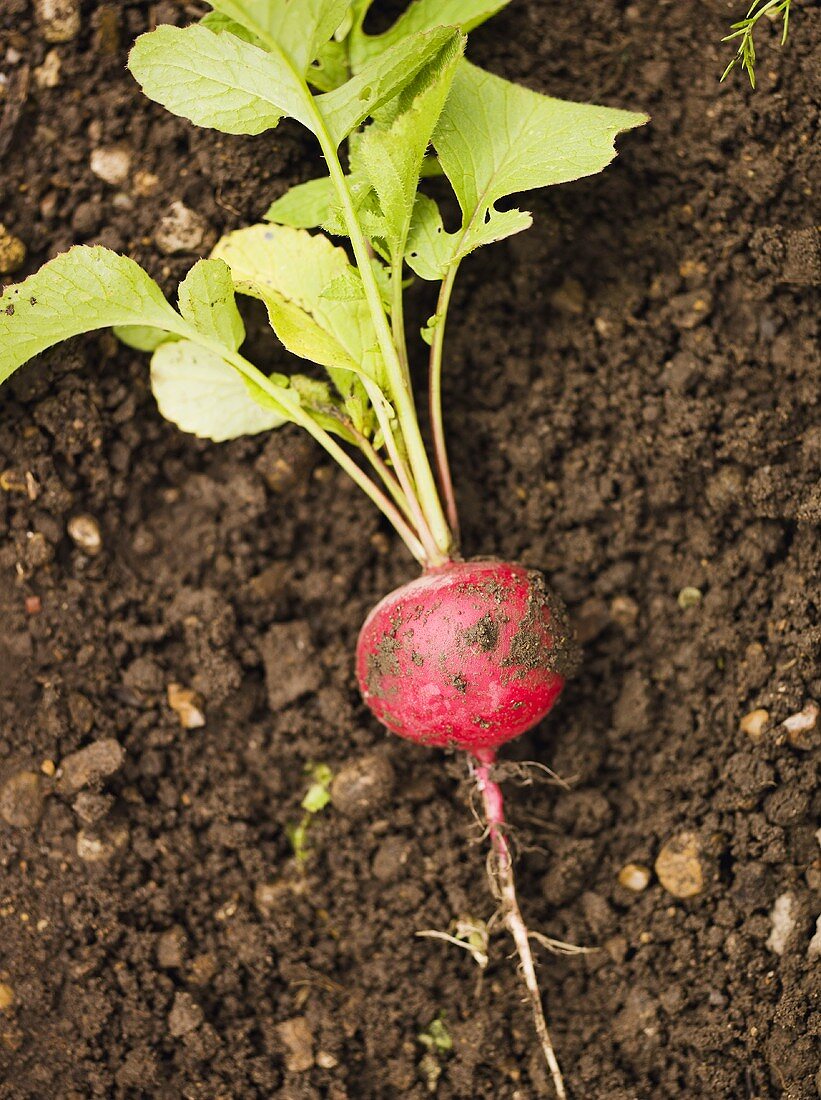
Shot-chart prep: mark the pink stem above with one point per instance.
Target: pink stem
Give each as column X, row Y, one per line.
column 494, row 808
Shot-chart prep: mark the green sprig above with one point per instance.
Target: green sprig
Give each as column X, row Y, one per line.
column 744, row 33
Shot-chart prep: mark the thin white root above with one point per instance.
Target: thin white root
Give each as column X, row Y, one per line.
column 559, row 947
column 504, row 886
column 518, row 929
column 479, row 957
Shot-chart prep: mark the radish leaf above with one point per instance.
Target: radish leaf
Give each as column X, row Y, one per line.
column 199, row 392
column 207, row 302
column 495, row 139
column 423, row 15
column 289, row 269
column 392, row 150
column 305, row 206
column 295, row 28
column 217, row 80
column 84, row 289
column 347, row 106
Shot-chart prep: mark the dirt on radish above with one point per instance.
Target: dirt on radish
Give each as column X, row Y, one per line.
column 156, row 936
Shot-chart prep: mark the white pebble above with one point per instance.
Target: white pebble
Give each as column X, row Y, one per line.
column 85, row 532
column 47, row 75
column 180, row 230
column 783, row 923
column 112, row 164
column 58, row 19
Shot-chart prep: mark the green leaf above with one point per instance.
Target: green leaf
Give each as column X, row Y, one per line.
column 86, row 288
column 221, row 24
column 207, row 302
column 325, row 406
column 392, row 151
column 199, row 392
column 217, row 80
column 495, row 139
column 289, row 269
column 297, row 28
column 275, row 260
column 305, row 206
column 430, row 249
column 344, row 108
column 423, row 15
column 330, row 68
column 141, row 337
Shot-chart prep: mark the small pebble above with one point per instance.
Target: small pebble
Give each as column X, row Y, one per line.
column 635, row 877
column 84, row 531
column 783, row 921
column 296, row 1036
column 48, row 74
column 12, row 252
column 90, row 765
column 6, row 997
column 326, row 1061
column 180, row 230
column 187, row 705
column 185, row 1015
column 22, row 800
column 145, row 183
column 171, row 948
column 802, row 726
column 364, row 786
column 95, row 847
column 755, row 723
column 679, row 866
column 91, row 806
column 59, row 19
column 111, row 164
column 624, row 611
column 569, row 297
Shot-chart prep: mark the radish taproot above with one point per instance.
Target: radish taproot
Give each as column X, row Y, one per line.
column 468, row 656
column 473, row 653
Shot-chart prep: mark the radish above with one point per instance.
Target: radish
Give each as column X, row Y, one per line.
column 468, row 656
column 472, row 653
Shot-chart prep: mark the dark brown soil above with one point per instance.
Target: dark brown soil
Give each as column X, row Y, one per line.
column 633, row 393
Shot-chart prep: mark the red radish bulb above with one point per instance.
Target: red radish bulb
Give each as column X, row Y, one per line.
column 467, row 656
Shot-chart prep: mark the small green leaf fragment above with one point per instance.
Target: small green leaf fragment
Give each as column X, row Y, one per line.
column 201, row 393
column 430, row 249
column 306, row 206
column 141, row 337
column 219, row 23
column 436, row 1036
column 81, row 290
column 316, row 799
column 207, row 302
column 689, row 597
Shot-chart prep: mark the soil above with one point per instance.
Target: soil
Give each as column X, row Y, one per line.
column 633, row 404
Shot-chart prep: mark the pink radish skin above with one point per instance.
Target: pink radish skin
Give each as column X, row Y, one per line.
column 468, row 656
